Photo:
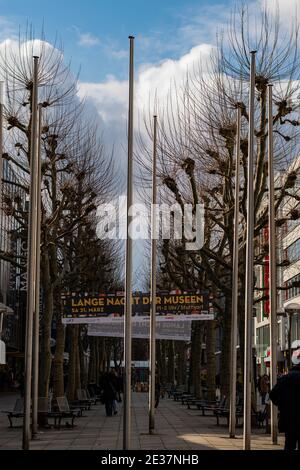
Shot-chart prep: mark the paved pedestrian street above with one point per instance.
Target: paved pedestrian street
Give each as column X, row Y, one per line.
column 177, row 428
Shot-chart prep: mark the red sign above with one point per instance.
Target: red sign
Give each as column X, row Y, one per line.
column 266, row 276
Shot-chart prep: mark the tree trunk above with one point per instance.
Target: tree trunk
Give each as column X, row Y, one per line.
column 77, row 363
column 196, row 356
column 181, row 362
column 161, row 360
column 211, row 359
column 45, row 356
column 171, row 364
column 93, row 360
column 226, row 343
column 241, row 350
column 101, row 357
column 82, row 363
column 58, row 361
column 107, row 353
column 72, row 361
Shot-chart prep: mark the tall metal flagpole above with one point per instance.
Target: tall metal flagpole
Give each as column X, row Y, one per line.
column 272, row 261
column 35, row 372
column 153, row 287
column 31, row 260
column 249, row 265
column 128, row 262
column 235, row 278
column 1, row 159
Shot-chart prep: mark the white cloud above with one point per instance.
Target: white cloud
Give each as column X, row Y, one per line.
column 111, row 101
column 117, row 54
column 7, row 29
column 88, row 40
column 285, row 7
column 152, row 84
column 111, row 97
column 288, row 10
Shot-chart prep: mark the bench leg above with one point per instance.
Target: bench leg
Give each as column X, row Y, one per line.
column 10, row 421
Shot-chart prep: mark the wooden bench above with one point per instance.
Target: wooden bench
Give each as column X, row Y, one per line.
column 199, row 403
column 185, row 397
column 82, row 399
column 179, row 392
column 212, row 407
column 260, row 417
column 65, row 412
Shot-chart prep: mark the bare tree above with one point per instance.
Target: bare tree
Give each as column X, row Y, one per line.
column 77, row 175
column 196, row 148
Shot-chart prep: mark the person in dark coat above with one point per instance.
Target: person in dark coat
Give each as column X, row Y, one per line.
column 108, row 393
column 286, row 395
column 264, row 387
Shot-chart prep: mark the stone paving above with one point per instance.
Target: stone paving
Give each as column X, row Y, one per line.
column 177, row 428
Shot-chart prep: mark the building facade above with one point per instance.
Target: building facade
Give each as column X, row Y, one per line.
column 288, row 280
column 13, row 267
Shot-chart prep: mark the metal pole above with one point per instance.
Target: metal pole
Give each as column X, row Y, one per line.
column 128, row 262
column 1, row 168
column 35, row 374
column 249, row 265
column 153, row 287
column 290, row 340
column 31, row 261
column 235, row 279
column 272, row 261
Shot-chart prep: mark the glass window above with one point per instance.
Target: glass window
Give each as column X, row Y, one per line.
column 295, row 327
column 262, row 339
column 293, row 290
column 293, row 251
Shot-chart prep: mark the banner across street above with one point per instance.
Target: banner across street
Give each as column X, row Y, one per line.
column 177, row 331
column 109, row 307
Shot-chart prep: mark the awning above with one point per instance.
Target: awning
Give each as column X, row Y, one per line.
column 295, row 344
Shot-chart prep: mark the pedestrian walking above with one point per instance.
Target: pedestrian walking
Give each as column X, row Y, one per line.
column 264, row 387
column 286, row 395
column 108, row 394
column 115, row 384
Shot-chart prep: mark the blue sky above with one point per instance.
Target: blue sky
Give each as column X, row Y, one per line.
column 171, row 37
column 94, row 33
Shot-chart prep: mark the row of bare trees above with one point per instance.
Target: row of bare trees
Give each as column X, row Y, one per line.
column 196, row 145
column 77, row 176
column 197, row 134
